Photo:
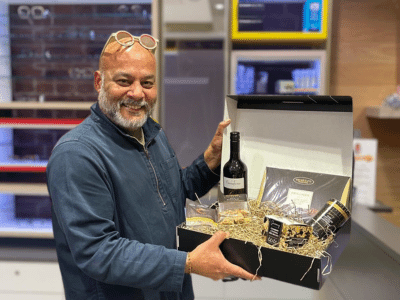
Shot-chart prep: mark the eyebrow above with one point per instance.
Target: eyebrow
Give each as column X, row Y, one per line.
column 149, row 77
column 129, row 75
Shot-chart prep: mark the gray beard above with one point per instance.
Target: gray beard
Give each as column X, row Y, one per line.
column 112, row 111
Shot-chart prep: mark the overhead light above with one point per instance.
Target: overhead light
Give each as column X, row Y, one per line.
column 219, row 6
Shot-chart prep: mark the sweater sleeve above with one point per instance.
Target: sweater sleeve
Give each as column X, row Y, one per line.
column 84, row 205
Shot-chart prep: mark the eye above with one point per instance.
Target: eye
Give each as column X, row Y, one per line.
column 123, row 82
column 148, row 84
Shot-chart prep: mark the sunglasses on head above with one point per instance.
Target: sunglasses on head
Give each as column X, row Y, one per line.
column 124, row 38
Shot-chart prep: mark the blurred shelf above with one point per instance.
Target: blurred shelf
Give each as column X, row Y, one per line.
column 31, row 123
column 26, row 233
column 23, row 168
column 46, row 105
column 30, row 189
column 381, row 112
column 195, row 36
column 380, row 207
column 312, row 91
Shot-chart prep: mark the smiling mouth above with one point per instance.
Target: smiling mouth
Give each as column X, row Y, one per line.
column 133, row 107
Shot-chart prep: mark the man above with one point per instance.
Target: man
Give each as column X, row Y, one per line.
column 118, row 191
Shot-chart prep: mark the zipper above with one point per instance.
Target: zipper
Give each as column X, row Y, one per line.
column 155, row 174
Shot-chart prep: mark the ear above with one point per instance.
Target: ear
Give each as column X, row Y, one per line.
column 97, row 80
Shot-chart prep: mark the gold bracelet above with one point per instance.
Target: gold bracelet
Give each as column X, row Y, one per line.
column 189, row 263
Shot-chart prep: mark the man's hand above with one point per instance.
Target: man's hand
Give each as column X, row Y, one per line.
column 212, row 155
column 207, row 260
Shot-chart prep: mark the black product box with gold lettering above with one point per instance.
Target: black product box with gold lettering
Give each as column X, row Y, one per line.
column 298, row 151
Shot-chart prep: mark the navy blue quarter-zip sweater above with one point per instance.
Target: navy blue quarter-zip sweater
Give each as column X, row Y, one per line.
column 115, row 208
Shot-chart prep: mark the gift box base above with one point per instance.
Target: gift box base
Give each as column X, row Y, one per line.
column 287, row 267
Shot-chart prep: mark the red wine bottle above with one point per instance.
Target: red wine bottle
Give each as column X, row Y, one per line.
column 235, row 173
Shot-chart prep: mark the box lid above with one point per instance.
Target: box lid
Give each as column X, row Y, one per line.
column 305, row 133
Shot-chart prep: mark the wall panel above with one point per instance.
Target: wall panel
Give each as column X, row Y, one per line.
column 365, row 65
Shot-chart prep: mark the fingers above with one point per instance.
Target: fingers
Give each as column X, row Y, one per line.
column 231, row 269
column 241, row 273
column 212, row 155
column 221, row 126
column 225, row 123
column 208, row 260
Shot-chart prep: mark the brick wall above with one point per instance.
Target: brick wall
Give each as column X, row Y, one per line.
column 55, row 48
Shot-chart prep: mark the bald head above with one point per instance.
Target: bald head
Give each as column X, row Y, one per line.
column 114, row 52
column 118, row 58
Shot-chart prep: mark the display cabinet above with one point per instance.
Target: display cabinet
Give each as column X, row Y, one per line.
column 288, row 72
column 279, row 20
column 26, row 145
column 280, row 47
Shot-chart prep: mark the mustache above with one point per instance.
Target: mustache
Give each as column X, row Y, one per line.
column 134, row 103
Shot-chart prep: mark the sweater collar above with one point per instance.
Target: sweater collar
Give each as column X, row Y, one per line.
column 150, row 129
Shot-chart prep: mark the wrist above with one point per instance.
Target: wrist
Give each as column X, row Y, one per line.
column 212, row 158
column 188, row 266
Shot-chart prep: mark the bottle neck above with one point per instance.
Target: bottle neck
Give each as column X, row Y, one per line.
column 235, row 150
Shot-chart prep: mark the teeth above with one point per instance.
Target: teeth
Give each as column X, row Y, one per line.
column 133, row 106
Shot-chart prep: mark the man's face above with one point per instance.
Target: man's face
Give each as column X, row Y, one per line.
column 127, row 86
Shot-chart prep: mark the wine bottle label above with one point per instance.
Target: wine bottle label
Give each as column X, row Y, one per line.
column 234, row 183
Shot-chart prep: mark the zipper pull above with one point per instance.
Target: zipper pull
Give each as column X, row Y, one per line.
column 146, row 152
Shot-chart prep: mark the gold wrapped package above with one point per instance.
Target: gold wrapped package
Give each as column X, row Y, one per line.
column 233, row 213
column 285, row 233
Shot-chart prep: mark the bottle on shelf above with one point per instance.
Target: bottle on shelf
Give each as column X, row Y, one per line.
column 235, row 172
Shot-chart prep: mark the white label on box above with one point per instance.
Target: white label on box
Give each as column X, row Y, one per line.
column 365, row 156
column 300, row 198
column 234, row 183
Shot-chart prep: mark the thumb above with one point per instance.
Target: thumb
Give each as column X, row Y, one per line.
column 218, row 238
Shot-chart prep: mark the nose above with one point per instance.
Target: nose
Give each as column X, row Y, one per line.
column 135, row 91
